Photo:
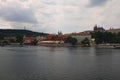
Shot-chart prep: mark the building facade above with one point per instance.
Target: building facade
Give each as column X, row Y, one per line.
column 81, row 36
column 113, row 30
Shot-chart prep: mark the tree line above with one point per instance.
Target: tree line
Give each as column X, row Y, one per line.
column 106, row 37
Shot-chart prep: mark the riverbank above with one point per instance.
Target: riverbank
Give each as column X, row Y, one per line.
column 60, row 45
column 108, row 46
column 48, row 45
column 102, row 46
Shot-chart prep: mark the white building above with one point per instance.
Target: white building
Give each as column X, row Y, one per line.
column 81, row 36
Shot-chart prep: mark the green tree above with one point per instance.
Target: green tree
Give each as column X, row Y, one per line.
column 98, row 37
column 71, row 40
column 106, row 37
column 117, row 38
column 1, row 36
column 85, row 42
column 35, row 42
column 20, row 39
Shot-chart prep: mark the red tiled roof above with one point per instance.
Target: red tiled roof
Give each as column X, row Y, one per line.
column 55, row 37
column 29, row 38
column 81, row 33
column 113, row 29
column 10, row 38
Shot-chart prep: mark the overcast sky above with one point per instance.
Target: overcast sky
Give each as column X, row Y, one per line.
column 52, row 16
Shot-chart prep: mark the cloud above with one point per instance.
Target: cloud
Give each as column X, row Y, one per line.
column 18, row 15
column 3, row 0
column 94, row 3
column 47, row 2
column 14, row 13
column 53, row 15
column 48, row 15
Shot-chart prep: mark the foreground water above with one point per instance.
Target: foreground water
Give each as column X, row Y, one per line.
column 59, row 63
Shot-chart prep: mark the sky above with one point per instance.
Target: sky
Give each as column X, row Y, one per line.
column 51, row 16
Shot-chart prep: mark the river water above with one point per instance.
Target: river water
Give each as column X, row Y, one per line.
column 59, row 63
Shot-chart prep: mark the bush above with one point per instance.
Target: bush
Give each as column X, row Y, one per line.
column 71, row 40
column 85, row 42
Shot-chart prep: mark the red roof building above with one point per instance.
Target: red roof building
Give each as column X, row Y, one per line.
column 113, row 30
column 81, row 34
column 53, row 37
column 10, row 39
column 28, row 40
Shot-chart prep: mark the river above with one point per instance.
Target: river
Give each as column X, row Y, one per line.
column 59, row 63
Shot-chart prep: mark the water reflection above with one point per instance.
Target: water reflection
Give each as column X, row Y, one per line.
column 59, row 63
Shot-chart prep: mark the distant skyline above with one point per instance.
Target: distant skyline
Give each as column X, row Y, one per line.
column 51, row 16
